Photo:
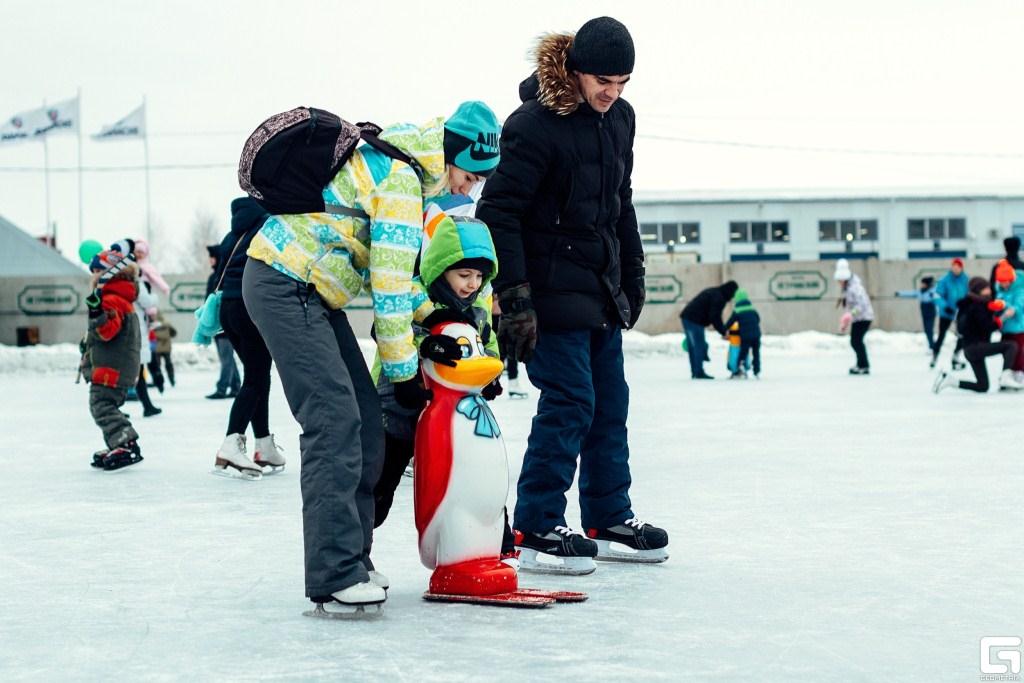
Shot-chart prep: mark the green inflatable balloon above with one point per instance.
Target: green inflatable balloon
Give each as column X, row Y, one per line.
column 88, row 249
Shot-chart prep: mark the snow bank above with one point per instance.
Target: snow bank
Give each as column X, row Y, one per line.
column 63, row 358
column 639, row 345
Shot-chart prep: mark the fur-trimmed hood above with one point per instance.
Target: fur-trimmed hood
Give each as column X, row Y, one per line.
column 552, row 84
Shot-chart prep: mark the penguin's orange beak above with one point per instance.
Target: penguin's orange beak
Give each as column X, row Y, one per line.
column 471, row 372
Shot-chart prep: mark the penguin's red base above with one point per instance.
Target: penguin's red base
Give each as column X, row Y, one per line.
column 474, row 577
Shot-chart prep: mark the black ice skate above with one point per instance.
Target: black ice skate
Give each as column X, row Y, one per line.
column 97, row 458
column 560, row 551
column 122, row 456
column 631, row 541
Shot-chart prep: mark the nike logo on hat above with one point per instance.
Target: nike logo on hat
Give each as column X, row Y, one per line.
column 481, row 149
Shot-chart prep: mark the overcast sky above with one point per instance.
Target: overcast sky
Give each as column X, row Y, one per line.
column 905, row 76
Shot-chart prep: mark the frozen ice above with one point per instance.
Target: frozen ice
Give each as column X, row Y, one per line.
column 823, row 528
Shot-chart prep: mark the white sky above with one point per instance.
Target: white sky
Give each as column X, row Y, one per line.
column 902, row 75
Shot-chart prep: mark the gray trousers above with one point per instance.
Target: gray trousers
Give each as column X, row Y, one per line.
column 105, row 405
column 332, row 396
column 229, row 380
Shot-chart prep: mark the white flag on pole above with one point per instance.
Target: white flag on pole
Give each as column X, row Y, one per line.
column 33, row 124
column 131, row 126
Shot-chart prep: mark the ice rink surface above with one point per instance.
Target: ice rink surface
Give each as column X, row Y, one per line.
column 823, row 528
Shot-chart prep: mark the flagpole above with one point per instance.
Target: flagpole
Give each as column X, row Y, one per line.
column 145, row 148
column 46, row 177
column 78, row 116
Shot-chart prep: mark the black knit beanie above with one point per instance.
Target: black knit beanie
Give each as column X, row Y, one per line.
column 602, row 47
column 484, row 265
column 976, row 284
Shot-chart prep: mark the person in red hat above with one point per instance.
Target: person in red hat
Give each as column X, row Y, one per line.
column 952, row 288
column 1009, row 290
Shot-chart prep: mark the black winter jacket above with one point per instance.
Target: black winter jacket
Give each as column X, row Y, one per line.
column 974, row 322
column 706, row 308
column 246, row 218
column 559, row 204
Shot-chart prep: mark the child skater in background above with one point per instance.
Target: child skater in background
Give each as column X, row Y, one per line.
column 978, row 318
column 110, row 357
column 732, row 362
column 748, row 324
column 927, row 299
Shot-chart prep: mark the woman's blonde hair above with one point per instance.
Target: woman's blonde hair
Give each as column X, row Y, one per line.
column 438, row 187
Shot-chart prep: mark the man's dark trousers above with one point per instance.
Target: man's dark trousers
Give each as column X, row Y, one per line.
column 581, row 414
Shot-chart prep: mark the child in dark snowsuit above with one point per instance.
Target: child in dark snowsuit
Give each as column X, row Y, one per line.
column 750, row 331
column 979, row 316
column 110, row 358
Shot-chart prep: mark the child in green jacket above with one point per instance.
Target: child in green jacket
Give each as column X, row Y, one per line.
column 457, row 265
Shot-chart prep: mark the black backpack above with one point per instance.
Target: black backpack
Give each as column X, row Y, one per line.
column 291, row 157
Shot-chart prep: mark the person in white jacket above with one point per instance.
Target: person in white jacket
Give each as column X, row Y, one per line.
column 145, row 306
column 857, row 314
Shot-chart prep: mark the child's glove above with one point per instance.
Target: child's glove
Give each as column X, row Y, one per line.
column 492, row 390
column 517, row 328
column 441, row 349
column 844, row 322
column 412, row 394
column 996, row 305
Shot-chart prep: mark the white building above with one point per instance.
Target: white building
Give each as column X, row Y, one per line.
column 811, row 225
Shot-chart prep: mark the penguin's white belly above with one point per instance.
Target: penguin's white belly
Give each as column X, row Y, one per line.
column 469, row 521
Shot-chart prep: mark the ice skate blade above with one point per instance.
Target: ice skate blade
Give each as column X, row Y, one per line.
column 346, row 612
column 270, row 470
column 517, row 396
column 610, row 551
column 236, row 473
column 541, row 563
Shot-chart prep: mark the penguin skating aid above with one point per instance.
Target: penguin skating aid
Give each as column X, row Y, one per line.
column 461, row 483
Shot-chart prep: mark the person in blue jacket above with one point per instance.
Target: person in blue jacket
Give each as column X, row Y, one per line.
column 927, row 298
column 950, row 290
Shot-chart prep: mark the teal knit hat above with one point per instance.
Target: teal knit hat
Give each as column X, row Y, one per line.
column 471, row 138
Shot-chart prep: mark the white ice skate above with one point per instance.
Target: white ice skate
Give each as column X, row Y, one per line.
column 1008, row 381
column 516, row 390
column 943, row 380
column 268, row 454
column 379, row 580
column 360, row 601
column 232, row 454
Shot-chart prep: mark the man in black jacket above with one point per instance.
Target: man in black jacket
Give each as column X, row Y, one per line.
column 560, row 210
column 705, row 309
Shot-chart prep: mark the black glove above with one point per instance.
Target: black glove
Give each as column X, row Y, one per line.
column 94, row 312
column 634, row 287
column 411, row 394
column 93, row 303
column 492, row 390
column 441, row 349
column 517, row 329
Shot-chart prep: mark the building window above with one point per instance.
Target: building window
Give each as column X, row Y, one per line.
column 936, row 228
column 848, row 230
column 670, row 233
column 759, row 231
